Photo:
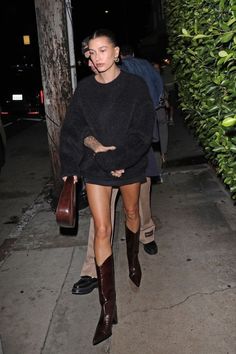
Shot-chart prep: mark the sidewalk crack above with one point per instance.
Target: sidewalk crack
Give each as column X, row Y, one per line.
column 181, row 302
column 57, row 301
column 196, row 294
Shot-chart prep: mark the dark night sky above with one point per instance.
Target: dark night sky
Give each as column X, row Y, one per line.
column 17, row 19
column 129, row 19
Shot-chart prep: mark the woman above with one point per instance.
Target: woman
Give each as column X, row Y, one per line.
column 105, row 138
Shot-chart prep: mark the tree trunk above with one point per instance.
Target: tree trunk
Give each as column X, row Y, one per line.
column 55, row 69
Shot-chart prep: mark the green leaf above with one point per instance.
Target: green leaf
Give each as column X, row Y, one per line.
column 229, row 122
column 233, row 67
column 224, row 26
column 210, row 89
column 212, row 54
column 185, row 32
column 233, row 189
column 213, row 109
column 218, row 149
column 228, row 57
column 231, row 21
column 220, row 61
column 226, row 37
column 191, row 51
column 222, row 54
column 198, row 36
column 233, row 148
column 222, row 4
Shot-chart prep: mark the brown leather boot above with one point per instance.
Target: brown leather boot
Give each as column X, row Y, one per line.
column 132, row 242
column 107, row 298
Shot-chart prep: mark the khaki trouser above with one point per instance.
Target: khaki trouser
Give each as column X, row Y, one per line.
column 147, row 226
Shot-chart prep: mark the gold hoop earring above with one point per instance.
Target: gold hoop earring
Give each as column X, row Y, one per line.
column 117, row 59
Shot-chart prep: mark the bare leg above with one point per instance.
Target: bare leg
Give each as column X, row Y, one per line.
column 99, row 198
column 130, row 197
column 89, row 264
column 88, row 276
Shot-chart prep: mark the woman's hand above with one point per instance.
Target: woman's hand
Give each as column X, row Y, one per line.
column 93, row 144
column 102, row 148
column 75, row 178
column 117, row 173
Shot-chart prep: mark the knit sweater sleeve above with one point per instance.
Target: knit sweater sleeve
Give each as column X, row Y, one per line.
column 74, row 130
column 137, row 141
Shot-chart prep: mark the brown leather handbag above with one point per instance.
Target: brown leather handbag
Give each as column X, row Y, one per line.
column 66, row 208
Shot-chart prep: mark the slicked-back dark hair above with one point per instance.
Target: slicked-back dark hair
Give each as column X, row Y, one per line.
column 104, row 32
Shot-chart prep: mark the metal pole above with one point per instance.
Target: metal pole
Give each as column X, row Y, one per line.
column 71, row 44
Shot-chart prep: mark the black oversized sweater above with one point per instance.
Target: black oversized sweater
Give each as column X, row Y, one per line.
column 118, row 113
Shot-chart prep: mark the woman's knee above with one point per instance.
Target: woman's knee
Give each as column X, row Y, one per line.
column 132, row 213
column 102, row 232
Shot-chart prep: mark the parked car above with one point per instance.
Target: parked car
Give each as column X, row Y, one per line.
column 22, row 93
column 21, row 103
column 2, row 144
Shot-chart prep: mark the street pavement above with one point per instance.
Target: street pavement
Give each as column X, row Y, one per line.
column 186, row 303
column 23, row 177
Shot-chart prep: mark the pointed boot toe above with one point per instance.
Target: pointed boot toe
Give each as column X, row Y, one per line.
column 107, row 298
column 132, row 242
column 101, row 335
column 136, row 276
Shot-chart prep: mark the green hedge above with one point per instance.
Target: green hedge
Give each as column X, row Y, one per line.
column 202, row 43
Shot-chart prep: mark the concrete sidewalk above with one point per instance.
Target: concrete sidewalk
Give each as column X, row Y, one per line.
column 186, row 302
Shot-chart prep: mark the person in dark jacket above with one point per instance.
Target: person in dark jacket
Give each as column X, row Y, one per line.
column 105, row 138
column 153, row 79
column 145, row 70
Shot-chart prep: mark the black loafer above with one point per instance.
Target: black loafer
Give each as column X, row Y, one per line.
column 85, row 285
column 151, row 247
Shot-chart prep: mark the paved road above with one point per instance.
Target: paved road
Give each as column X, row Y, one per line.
column 25, row 173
